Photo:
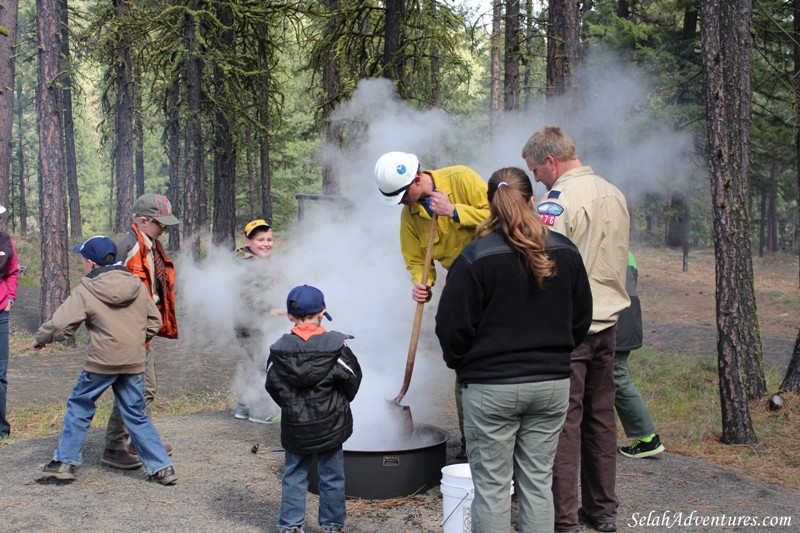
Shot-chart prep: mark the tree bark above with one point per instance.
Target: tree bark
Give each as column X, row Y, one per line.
column 123, row 122
column 494, row 97
column 52, row 186
column 22, row 202
column 392, row 42
column 75, row 218
column 224, row 149
column 332, row 87
column 726, row 49
column 8, row 20
column 511, row 81
column 791, row 381
column 173, row 135
column 563, row 41
column 193, row 219
column 796, row 86
column 138, row 132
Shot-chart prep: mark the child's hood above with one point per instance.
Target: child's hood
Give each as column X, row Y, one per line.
column 113, row 285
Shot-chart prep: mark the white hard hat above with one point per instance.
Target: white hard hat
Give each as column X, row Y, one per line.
column 394, row 173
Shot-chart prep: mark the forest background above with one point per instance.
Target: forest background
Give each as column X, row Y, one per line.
column 233, row 109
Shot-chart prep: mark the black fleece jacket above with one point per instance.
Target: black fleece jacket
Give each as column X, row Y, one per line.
column 495, row 325
column 313, row 382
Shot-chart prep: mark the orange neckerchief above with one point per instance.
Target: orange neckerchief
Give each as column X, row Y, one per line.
column 306, row 330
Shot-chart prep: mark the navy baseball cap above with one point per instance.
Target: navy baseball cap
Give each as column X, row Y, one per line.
column 97, row 249
column 306, row 300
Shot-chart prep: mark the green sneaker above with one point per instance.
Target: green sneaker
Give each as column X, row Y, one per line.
column 644, row 447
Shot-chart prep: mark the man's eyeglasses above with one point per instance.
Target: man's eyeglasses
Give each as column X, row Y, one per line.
column 159, row 224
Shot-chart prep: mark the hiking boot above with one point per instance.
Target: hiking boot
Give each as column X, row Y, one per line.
column 333, row 529
column 165, row 476
column 121, row 459
column 644, row 447
column 242, row 412
column 293, row 530
column 59, row 470
column 603, row 527
column 132, row 450
column 266, row 420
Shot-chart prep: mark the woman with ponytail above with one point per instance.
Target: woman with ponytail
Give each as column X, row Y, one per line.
column 516, row 302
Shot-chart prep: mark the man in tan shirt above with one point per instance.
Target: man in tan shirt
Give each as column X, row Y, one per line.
column 594, row 215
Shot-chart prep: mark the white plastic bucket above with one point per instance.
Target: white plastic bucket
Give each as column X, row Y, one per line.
column 457, row 495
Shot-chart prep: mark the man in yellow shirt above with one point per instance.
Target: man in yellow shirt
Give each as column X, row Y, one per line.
column 457, row 195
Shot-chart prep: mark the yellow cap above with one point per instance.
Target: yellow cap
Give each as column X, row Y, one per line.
column 252, row 225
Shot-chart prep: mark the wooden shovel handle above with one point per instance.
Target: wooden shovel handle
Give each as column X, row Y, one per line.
column 412, row 347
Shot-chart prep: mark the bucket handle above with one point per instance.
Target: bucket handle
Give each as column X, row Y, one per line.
column 454, row 510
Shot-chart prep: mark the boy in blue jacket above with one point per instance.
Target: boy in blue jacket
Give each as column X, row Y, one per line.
column 313, row 376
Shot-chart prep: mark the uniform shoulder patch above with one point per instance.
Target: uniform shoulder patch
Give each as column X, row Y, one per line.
column 548, row 211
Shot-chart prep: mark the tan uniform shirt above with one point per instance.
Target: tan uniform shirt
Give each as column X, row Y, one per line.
column 594, row 215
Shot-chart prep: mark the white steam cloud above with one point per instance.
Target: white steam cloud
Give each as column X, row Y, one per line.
column 349, row 248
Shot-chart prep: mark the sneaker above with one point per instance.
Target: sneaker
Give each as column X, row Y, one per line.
column 293, row 530
column 59, row 470
column 644, row 447
column 121, row 459
column 267, row 420
column 242, row 412
column 165, row 476
column 167, row 447
column 333, row 529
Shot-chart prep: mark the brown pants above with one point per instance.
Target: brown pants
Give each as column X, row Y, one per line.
column 588, row 441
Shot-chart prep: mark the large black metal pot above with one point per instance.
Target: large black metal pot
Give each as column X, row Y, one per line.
column 378, row 475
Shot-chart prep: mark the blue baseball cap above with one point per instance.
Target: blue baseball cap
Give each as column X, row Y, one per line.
column 306, row 300
column 97, row 249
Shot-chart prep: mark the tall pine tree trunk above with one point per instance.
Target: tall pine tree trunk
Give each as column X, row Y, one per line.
column 123, row 122
column 224, row 148
column 22, row 201
column 8, row 20
column 494, row 95
column 173, row 137
column 563, row 41
column 726, row 46
column 52, row 186
column 75, row 219
column 332, row 86
column 138, row 132
column 511, row 82
column 193, row 194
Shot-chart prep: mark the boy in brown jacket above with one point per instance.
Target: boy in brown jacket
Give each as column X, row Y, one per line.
column 120, row 317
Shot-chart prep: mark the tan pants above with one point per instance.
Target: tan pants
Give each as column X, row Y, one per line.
column 116, row 432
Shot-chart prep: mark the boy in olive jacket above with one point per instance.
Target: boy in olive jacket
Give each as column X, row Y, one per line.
column 120, row 317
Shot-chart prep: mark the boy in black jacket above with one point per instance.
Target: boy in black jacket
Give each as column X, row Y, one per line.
column 313, row 376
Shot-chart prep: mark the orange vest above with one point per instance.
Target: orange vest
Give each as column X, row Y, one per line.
column 137, row 265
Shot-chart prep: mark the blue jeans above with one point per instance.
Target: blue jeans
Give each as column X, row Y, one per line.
column 129, row 392
column 513, row 429
column 294, row 487
column 5, row 427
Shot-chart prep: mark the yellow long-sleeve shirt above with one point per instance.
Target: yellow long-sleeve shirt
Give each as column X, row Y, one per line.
column 467, row 191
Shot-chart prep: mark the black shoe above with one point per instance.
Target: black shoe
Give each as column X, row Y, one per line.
column 641, row 448
column 603, row 527
column 59, row 470
column 165, row 476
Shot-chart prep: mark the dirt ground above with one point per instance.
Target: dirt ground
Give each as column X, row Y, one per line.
column 224, row 486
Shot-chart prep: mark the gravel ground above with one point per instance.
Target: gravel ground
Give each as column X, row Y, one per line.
column 223, row 486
